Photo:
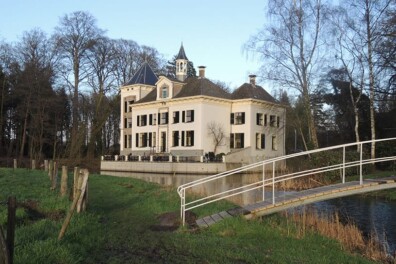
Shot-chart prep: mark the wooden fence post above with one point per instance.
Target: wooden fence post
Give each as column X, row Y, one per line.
column 4, row 254
column 33, row 164
column 83, row 186
column 63, row 188
column 46, row 165
column 15, row 164
column 75, row 181
column 50, row 166
column 79, row 193
column 54, row 180
column 11, row 227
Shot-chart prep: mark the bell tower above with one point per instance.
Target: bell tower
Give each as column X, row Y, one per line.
column 181, row 65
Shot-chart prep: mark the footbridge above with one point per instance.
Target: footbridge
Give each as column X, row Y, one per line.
column 346, row 169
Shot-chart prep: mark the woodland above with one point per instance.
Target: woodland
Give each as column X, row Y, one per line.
column 332, row 66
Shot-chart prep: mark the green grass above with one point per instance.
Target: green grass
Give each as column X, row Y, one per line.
column 117, row 229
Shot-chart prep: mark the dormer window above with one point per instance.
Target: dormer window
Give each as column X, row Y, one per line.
column 164, row 92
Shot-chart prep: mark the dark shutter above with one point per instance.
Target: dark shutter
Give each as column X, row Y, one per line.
column 243, row 117
column 159, row 119
column 262, row 141
column 183, row 116
column 137, row 140
column 231, row 140
column 150, row 141
column 232, row 118
column 138, row 120
column 265, row 120
column 192, row 117
column 182, row 137
column 192, row 136
column 125, row 123
column 166, row 117
column 125, row 141
column 125, row 106
column 150, row 119
column 242, row 140
column 257, row 119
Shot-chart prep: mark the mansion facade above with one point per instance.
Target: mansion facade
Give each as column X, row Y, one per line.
column 192, row 116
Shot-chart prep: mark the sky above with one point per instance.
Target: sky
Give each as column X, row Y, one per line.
column 213, row 32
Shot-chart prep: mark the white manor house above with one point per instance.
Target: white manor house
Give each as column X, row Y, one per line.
column 161, row 115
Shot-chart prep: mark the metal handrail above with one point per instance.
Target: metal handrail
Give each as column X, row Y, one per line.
column 271, row 181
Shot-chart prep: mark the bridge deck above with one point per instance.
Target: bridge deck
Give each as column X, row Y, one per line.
column 294, row 199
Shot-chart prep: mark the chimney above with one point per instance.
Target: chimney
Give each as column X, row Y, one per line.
column 201, row 70
column 252, row 79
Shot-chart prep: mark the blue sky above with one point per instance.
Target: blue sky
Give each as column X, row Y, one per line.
column 213, row 32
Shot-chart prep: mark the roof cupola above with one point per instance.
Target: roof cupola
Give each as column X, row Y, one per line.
column 181, row 65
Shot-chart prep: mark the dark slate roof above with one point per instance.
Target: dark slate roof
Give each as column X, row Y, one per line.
column 150, row 97
column 182, row 54
column 145, row 75
column 201, row 86
column 171, row 78
column 248, row 90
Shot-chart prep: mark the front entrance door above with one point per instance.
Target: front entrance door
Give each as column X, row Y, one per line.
column 163, row 141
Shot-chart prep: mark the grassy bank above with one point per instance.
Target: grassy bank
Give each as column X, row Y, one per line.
column 120, row 226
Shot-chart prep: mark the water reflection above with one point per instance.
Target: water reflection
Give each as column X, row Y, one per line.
column 371, row 215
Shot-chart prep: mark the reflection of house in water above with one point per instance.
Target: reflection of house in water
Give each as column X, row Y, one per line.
column 161, row 114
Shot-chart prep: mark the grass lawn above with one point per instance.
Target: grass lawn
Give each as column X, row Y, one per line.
column 119, row 227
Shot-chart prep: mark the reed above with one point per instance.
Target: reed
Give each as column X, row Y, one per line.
column 349, row 235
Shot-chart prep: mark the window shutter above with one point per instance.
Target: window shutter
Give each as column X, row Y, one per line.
column 232, row 118
column 159, row 119
column 150, row 141
column 182, row 137
column 137, row 140
column 166, row 117
column 183, row 116
column 192, row 137
column 125, row 123
column 265, row 120
column 262, row 141
column 192, row 118
column 257, row 119
column 138, row 120
column 243, row 117
column 125, row 141
column 150, row 119
column 231, row 140
column 243, row 140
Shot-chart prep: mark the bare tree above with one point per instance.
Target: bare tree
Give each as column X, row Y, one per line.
column 34, row 87
column 290, row 48
column 75, row 38
column 349, row 52
column 126, row 59
column 217, row 134
column 102, row 82
column 370, row 12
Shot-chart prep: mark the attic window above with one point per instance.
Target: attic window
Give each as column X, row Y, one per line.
column 164, row 92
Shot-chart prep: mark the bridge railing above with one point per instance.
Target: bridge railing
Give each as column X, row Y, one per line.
column 272, row 178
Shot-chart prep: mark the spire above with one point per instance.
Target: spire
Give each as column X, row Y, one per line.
column 182, row 54
column 181, row 64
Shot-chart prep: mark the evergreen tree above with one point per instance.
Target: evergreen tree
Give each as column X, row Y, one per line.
column 171, row 68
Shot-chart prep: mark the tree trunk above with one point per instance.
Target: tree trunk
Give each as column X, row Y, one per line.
column 371, row 77
column 23, row 139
